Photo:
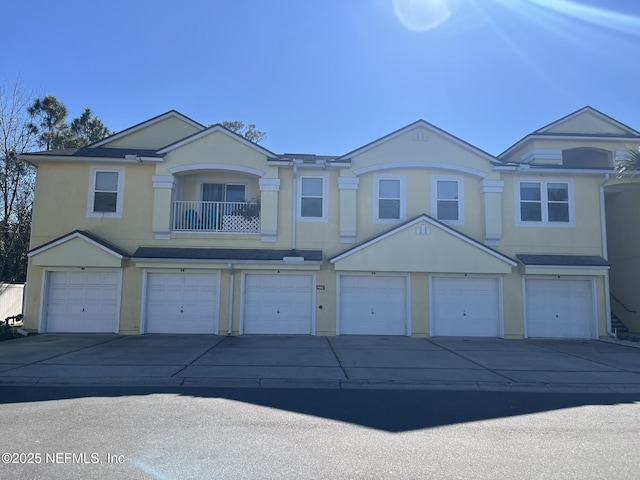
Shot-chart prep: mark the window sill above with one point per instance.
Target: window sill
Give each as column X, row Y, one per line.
column 311, row 220
column 451, row 222
column 388, row 221
column 104, row 215
column 546, row 224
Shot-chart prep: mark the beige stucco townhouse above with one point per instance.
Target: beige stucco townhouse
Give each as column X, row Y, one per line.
column 173, row 227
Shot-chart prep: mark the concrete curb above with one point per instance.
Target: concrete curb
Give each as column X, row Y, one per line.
column 284, row 383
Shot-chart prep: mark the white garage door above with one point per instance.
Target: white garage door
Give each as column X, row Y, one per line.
column 373, row 304
column 182, row 302
column 278, row 303
column 559, row 308
column 465, row 306
column 82, row 301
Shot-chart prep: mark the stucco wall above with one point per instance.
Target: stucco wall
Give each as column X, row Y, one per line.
column 583, row 239
column 623, row 236
column 160, row 134
column 61, row 205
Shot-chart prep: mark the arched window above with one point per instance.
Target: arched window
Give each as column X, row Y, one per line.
column 587, row 158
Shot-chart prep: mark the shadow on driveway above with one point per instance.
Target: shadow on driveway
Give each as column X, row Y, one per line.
column 388, row 410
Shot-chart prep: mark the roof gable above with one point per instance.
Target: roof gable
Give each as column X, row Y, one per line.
column 217, row 128
column 78, row 248
column 423, row 244
column 421, row 129
column 154, row 133
column 588, row 121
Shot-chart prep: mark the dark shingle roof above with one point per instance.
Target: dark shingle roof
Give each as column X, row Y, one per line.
column 586, row 135
column 563, row 260
column 99, row 152
column 90, row 236
column 225, row 254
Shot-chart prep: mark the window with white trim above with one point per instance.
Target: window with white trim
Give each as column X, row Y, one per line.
column 312, row 199
column 548, row 203
column 447, row 200
column 105, row 192
column 389, row 199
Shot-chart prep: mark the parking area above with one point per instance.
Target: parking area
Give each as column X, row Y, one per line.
column 264, row 361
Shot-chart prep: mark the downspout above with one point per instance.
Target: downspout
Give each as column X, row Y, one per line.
column 231, row 288
column 294, row 203
column 605, row 255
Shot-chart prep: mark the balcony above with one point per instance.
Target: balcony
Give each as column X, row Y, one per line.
column 216, row 217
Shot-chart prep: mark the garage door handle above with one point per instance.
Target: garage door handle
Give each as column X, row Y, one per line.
column 83, row 308
column 557, row 316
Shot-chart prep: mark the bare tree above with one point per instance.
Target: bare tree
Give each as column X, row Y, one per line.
column 17, row 135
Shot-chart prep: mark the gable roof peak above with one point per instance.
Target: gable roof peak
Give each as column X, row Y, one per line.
column 147, row 123
column 429, row 126
column 547, row 130
column 588, row 109
column 217, row 127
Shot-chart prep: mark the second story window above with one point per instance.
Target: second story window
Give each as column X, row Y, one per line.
column 447, row 201
column 388, row 199
column 312, row 206
column 544, row 203
column 105, row 192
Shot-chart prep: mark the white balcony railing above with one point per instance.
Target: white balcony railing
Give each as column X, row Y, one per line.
column 239, row 217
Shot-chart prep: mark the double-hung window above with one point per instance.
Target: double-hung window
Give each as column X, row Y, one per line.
column 389, row 199
column 548, row 203
column 447, row 200
column 312, row 201
column 105, row 192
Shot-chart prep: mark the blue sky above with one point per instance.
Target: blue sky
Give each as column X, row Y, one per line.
column 328, row 76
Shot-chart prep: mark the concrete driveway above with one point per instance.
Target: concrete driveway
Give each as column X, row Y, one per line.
column 321, row 362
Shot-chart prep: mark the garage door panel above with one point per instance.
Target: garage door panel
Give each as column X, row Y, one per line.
column 465, row 306
column 82, row 302
column 373, row 305
column 96, row 294
column 75, row 292
column 559, row 308
column 278, row 303
column 195, row 296
column 94, row 278
column 182, row 302
column 58, row 294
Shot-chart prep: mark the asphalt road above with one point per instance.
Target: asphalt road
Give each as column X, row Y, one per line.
column 185, row 433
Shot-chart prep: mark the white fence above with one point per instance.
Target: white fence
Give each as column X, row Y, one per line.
column 10, row 299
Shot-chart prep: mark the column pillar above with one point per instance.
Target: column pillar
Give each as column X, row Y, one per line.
column 492, row 195
column 269, row 188
column 348, row 187
column 163, row 188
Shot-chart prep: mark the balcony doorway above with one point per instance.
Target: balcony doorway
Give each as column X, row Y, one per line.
column 223, row 192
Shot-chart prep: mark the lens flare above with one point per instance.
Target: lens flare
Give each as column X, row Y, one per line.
column 598, row 16
column 421, row 15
